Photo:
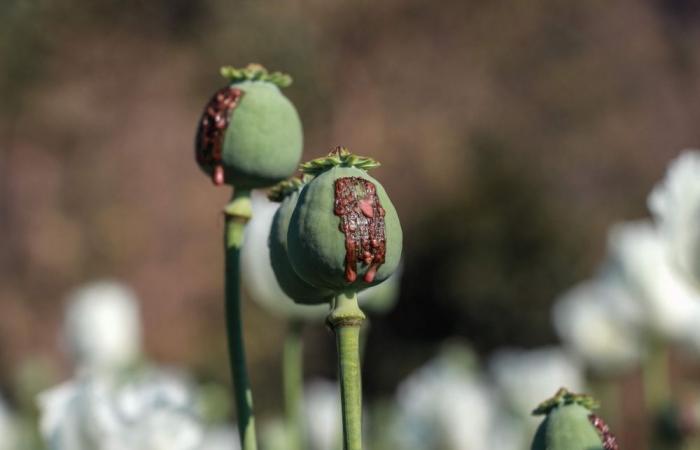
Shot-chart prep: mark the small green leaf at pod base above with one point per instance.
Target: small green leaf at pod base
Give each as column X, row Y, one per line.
column 317, row 245
column 571, row 425
column 250, row 135
column 297, row 289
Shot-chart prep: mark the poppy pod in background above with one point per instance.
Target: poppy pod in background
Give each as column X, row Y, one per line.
column 344, row 234
column 570, row 424
column 250, row 134
column 287, row 193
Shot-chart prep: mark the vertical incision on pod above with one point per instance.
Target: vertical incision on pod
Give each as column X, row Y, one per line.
column 608, row 438
column 212, row 127
column 362, row 222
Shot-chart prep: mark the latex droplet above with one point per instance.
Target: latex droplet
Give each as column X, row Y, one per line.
column 371, row 273
column 218, row 176
column 366, row 208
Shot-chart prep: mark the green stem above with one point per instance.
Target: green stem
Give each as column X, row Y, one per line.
column 657, row 393
column 293, row 379
column 237, row 213
column 346, row 319
column 656, row 378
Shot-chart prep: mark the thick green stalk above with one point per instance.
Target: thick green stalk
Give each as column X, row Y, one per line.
column 293, row 379
column 237, row 213
column 346, row 319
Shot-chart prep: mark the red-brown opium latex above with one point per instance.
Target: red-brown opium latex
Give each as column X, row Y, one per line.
column 608, row 438
column 362, row 222
column 212, row 127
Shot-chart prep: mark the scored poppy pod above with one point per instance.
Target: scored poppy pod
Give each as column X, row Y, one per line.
column 250, row 134
column 344, row 234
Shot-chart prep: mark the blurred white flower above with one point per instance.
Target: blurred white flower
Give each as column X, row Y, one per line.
column 670, row 305
column 675, row 203
column 258, row 278
column 445, row 404
column 323, row 414
column 592, row 320
column 103, row 327
column 526, row 377
column 153, row 410
column 61, row 414
column 221, row 437
column 9, row 434
column 274, row 435
column 322, row 419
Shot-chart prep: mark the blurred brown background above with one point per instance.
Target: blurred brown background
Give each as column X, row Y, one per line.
column 512, row 134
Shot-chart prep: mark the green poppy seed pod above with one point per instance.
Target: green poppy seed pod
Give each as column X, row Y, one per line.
column 297, row 289
column 571, row 425
column 250, row 134
column 344, row 234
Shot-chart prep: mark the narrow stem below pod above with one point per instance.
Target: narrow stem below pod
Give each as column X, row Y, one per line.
column 655, row 376
column 346, row 320
column 237, row 214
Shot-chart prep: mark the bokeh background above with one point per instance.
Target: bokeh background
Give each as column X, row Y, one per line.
column 512, row 135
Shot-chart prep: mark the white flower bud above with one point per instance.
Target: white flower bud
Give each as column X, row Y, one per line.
column 103, row 327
